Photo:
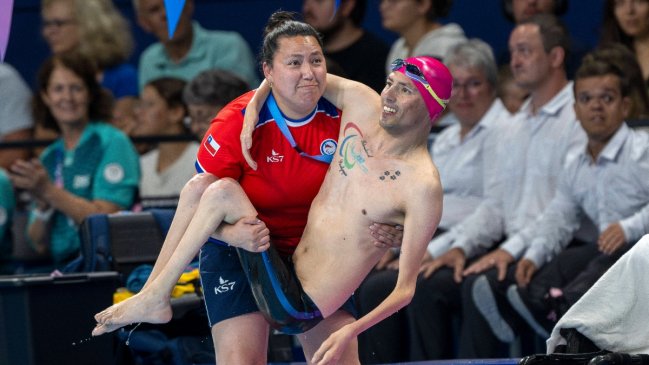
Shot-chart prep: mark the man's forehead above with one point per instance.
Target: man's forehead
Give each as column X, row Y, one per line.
column 608, row 82
column 401, row 79
column 525, row 33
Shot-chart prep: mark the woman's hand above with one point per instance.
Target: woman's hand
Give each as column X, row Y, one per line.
column 333, row 347
column 30, row 176
column 386, row 235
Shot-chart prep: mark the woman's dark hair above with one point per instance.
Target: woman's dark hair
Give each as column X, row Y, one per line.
column 438, row 9
column 283, row 24
column 560, row 8
column 214, row 87
column 611, row 30
column 100, row 101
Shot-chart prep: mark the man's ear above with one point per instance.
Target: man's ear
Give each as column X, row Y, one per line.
column 424, row 6
column 143, row 22
column 557, row 57
column 346, row 7
column 627, row 105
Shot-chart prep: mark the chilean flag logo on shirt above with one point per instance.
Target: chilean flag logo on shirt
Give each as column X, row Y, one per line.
column 211, row 146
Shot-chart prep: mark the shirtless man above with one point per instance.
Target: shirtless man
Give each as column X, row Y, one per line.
column 382, row 173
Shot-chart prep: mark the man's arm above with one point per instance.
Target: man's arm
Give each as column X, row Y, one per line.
column 423, row 210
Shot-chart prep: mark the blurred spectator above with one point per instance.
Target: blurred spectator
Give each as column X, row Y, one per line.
column 166, row 168
column 7, row 206
column 540, row 140
column 627, row 22
column 192, row 49
column 607, row 183
column 92, row 168
column 15, row 115
column 464, row 155
column 97, row 30
column 346, row 42
column 518, row 11
column 510, row 93
column 421, row 33
column 206, row 94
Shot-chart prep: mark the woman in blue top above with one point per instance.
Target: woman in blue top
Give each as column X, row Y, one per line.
column 92, row 168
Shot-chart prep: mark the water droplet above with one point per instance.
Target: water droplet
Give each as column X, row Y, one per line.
column 74, row 344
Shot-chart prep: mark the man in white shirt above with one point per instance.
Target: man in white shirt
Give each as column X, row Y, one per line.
column 541, row 139
column 607, row 183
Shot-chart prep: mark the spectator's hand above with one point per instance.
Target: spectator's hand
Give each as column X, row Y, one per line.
column 453, row 258
column 525, row 269
column 498, row 258
column 612, row 239
column 249, row 121
column 386, row 235
column 30, row 176
column 249, row 233
column 385, row 261
column 333, row 347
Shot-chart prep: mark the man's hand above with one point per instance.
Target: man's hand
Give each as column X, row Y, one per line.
column 249, row 121
column 333, row 347
column 453, row 258
column 525, row 269
column 386, row 235
column 498, row 258
column 385, row 261
column 248, row 233
column 611, row 239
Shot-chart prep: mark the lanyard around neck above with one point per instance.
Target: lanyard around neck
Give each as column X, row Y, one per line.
column 281, row 124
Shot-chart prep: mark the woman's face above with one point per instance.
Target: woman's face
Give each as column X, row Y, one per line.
column 398, row 15
column 153, row 115
column 67, row 97
column 472, row 94
column 632, row 16
column 297, row 75
column 60, row 28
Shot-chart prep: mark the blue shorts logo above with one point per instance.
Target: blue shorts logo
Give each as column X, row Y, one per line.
column 328, row 147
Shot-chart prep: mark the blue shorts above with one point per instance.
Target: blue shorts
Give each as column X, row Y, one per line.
column 228, row 294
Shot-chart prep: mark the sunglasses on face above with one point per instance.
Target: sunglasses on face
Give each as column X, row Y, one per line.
column 414, row 73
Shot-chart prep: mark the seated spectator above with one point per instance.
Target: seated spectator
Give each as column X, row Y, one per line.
column 421, row 33
column 627, row 22
column 510, row 93
column 92, row 168
column 607, row 183
column 346, row 42
column 7, row 206
column 518, row 11
column 206, row 94
column 168, row 167
column 96, row 29
column 192, row 49
column 15, row 115
column 463, row 153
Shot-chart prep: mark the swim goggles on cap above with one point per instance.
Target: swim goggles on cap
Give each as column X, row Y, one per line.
column 415, row 73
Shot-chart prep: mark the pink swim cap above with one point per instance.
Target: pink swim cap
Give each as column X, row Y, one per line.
column 436, row 85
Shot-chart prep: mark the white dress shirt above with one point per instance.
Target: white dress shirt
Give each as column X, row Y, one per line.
column 614, row 188
column 531, row 154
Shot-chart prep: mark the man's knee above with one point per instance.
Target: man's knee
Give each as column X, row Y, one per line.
column 221, row 190
column 196, row 186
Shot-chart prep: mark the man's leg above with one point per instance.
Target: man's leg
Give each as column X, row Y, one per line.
column 313, row 338
column 222, row 201
column 187, row 204
column 489, row 324
column 241, row 340
column 386, row 341
column 430, row 315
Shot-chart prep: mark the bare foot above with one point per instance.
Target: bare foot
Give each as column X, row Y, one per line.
column 143, row 307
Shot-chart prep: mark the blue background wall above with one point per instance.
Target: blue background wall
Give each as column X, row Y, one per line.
column 479, row 18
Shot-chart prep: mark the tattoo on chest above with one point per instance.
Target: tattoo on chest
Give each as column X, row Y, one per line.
column 390, row 175
column 353, row 150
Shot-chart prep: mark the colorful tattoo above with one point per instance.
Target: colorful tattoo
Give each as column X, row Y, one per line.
column 390, row 175
column 353, row 149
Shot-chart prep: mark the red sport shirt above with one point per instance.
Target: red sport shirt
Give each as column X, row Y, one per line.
column 285, row 183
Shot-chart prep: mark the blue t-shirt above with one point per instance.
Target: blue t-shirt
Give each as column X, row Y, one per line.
column 121, row 80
